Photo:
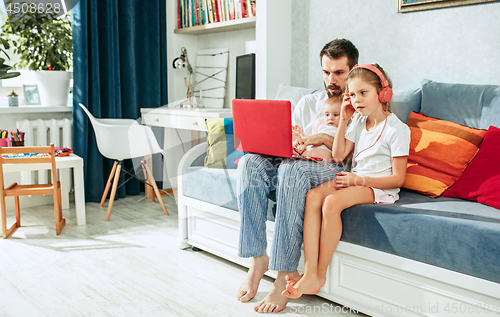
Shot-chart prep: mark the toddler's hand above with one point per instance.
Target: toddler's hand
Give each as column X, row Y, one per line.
column 297, row 132
column 298, row 147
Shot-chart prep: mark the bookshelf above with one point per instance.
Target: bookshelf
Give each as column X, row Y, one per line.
column 271, row 34
column 232, row 25
column 272, row 45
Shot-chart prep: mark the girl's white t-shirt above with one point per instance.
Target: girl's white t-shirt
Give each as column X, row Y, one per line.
column 376, row 161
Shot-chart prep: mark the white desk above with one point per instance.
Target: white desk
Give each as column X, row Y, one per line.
column 178, row 118
column 63, row 164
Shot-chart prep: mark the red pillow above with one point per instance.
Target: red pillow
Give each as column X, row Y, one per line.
column 481, row 180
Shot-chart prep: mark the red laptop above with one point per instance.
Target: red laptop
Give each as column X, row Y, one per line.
column 263, row 126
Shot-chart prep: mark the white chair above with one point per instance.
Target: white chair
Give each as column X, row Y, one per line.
column 120, row 139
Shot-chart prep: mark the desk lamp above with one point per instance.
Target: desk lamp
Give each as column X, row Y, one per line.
column 181, row 62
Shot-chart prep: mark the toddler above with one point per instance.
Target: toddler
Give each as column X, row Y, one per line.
column 327, row 125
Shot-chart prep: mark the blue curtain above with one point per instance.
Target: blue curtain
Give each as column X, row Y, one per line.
column 119, row 66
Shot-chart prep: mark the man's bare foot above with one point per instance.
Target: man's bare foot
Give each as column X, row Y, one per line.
column 306, row 285
column 249, row 287
column 275, row 302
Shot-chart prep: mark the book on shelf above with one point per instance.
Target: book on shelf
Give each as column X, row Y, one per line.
column 243, row 6
column 196, row 12
column 253, row 7
column 231, row 10
column 199, row 12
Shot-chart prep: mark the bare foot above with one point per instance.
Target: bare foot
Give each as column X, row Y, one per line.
column 293, row 280
column 249, row 287
column 275, row 302
column 306, row 285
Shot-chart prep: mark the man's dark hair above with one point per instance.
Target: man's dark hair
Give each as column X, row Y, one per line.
column 339, row 48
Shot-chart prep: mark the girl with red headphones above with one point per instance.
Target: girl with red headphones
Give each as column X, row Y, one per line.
column 381, row 145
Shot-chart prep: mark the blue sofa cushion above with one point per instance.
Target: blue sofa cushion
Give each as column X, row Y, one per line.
column 459, row 103
column 451, row 233
column 403, row 102
column 212, row 185
column 491, row 114
column 217, row 186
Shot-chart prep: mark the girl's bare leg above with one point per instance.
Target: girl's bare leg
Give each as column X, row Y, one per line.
column 312, row 228
column 331, row 231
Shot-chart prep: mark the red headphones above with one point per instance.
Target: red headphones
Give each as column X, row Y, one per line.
column 385, row 94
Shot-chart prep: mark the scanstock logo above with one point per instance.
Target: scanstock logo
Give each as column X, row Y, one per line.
column 46, row 9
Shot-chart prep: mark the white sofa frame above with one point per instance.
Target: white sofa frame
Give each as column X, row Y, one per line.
column 369, row 281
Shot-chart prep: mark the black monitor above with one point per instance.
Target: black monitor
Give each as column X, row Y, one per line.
column 245, row 76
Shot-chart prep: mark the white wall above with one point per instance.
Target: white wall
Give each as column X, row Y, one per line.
column 458, row 44
column 273, row 37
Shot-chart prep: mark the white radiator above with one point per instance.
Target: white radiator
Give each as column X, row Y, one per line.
column 44, row 132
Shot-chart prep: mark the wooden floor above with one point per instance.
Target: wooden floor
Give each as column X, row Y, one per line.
column 129, row 266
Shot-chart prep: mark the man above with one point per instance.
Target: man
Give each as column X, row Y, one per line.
column 292, row 179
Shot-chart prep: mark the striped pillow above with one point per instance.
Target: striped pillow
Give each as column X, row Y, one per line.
column 439, row 153
column 221, row 152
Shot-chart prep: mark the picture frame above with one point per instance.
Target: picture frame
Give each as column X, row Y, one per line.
column 418, row 5
column 31, row 95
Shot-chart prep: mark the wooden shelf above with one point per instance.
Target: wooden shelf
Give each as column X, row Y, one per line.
column 239, row 24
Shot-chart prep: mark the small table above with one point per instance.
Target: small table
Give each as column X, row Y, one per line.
column 63, row 164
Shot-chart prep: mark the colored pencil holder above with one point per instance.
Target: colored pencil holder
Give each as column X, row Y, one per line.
column 5, row 142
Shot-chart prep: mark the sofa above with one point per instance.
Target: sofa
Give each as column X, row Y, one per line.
column 421, row 256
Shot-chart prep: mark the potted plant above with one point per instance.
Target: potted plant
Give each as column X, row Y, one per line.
column 4, row 68
column 44, row 44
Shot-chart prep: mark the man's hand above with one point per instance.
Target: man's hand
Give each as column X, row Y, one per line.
column 344, row 179
column 313, row 139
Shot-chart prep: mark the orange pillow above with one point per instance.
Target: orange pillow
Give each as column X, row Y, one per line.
column 439, row 153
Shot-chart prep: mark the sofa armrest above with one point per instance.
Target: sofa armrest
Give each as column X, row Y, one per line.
column 190, row 156
column 186, row 161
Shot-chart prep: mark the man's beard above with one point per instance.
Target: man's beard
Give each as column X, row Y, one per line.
column 333, row 94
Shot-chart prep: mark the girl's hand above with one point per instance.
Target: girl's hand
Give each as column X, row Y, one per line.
column 344, row 179
column 346, row 109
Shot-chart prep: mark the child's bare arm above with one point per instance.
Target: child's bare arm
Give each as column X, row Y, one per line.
column 395, row 180
column 341, row 146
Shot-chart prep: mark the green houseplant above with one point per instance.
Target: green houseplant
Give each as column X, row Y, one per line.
column 4, row 68
column 41, row 39
column 43, row 43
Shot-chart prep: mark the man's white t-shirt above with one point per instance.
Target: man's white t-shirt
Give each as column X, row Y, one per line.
column 376, row 161
column 309, row 110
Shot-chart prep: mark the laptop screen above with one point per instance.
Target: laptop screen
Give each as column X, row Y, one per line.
column 263, row 126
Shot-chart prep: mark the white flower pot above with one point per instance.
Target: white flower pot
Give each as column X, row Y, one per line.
column 53, row 86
